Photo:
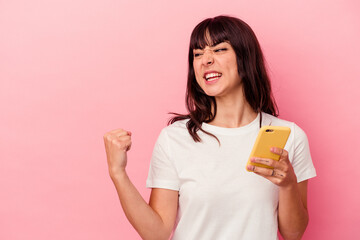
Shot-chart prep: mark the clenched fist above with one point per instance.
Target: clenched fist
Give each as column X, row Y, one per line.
column 117, row 143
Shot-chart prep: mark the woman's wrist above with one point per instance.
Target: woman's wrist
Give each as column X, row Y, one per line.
column 289, row 187
column 118, row 174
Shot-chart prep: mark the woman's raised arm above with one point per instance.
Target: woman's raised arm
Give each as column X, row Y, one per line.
column 152, row 221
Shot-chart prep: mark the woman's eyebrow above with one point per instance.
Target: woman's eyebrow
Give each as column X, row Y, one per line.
column 214, row 45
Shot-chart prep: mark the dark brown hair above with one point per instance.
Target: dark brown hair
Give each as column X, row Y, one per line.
column 251, row 69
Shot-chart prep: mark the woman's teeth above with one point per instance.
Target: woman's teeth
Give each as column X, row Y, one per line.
column 212, row 76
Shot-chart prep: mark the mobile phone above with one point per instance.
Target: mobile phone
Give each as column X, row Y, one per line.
column 269, row 136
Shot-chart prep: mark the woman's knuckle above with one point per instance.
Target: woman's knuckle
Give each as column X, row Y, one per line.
column 107, row 138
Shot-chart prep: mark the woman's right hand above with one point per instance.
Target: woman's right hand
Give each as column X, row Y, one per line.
column 117, row 143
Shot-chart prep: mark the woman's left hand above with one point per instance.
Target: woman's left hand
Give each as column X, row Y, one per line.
column 282, row 173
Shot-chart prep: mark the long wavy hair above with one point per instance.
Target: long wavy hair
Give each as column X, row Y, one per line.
column 251, row 69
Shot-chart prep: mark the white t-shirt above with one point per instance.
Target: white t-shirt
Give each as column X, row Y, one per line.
column 218, row 198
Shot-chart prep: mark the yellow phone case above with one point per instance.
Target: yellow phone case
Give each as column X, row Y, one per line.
column 269, row 136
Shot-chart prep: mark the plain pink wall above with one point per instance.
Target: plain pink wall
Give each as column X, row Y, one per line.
column 72, row 70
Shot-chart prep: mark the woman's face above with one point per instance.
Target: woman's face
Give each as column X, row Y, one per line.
column 216, row 70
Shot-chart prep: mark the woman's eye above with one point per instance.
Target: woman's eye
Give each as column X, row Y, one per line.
column 197, row 54
column 220, row 50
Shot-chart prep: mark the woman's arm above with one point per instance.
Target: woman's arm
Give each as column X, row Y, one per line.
column 152, row 221
column 292, row 213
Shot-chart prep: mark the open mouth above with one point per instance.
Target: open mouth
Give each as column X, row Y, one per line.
column 212, row 76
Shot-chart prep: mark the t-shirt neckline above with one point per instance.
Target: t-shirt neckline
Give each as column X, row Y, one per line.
column 232, row 131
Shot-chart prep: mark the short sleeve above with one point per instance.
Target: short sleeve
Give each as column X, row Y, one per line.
column 162, row 172
column 302, row 162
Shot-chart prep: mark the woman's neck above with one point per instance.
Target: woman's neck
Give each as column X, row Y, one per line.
column 233, row 112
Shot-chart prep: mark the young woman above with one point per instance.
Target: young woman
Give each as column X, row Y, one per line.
column 200, row 188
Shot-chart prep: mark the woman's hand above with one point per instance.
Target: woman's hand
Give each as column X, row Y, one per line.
column 117, row 143
column 292, row 210
column 282, row 173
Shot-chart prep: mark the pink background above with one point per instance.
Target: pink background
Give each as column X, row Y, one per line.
column 72, row 70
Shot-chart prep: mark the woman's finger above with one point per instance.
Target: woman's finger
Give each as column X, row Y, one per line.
column 119, row 132
column 267, row 172
column 282, row 152
column 265, row 161
column 277, row 173
column 260, row 170
column 274, row 175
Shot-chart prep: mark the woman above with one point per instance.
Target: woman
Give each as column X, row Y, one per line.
column 200, row 188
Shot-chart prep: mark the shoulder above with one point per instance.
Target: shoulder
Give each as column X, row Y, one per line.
column 176, row 138
column 176, row 127
column 175, row 130
column 275, row 121
column 296, row 131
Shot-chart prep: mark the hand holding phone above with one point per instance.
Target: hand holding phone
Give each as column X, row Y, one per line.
column 269, row 136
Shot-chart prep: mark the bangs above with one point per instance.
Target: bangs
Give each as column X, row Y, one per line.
column 208, row 33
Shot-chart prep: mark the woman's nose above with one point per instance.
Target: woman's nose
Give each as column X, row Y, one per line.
column 208, row 58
